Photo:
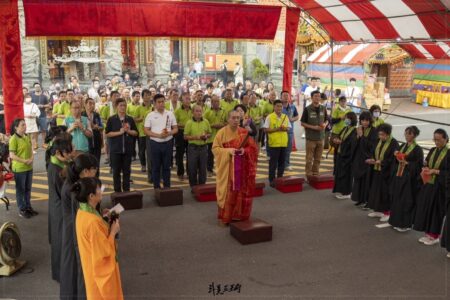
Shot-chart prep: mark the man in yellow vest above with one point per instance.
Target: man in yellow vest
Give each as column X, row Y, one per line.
column 276, row 127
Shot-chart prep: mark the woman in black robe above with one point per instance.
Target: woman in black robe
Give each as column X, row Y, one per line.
column 71, row 279
column 406, row 182
column 347, row 142
column 430, row 211
column 445, row 237
column 60, row 152
column 367, row 137
column 383, row 163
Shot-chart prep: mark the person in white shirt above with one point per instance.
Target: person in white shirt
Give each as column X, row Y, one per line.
column 311, row 88
column 93, row 91
column 353, row 94
column 31, row 112
column 198, row 66
column 238, row 74
column 160, row 126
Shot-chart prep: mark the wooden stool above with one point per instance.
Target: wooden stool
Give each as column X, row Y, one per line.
column 321, row 182
column 251, row 231
column 129, row 200
column 169, row 196
column 205, row 192
column 289, row 184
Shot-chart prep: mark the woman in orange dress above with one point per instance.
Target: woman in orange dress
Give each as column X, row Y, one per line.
column 96, row 243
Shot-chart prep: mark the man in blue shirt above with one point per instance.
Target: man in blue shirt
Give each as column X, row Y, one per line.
column 290, row 110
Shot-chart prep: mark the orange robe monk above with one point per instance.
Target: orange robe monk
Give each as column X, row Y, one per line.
column 235, row 171
column 98, row 256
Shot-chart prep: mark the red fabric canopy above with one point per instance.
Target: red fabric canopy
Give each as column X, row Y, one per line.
column 356, row 20
column 429, row 50
column 10, row 57
column 353, row 54
column 150, row 18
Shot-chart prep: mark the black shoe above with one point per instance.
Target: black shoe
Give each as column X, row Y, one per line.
column 25, row 214
column 358, row 203
column 32, row 212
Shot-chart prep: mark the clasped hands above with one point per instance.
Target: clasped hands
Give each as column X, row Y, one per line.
column 372, row 161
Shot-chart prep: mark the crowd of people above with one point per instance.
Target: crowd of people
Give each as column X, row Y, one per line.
column 191, row 128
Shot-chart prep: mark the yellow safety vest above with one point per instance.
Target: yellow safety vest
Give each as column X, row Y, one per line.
column 279, row 138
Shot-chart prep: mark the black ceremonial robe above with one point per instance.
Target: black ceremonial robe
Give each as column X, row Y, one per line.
column 362, row 172
column 404, row 189
column 72, row 282
column 379, row 195
column 343, row 179
column 430, row 210
column 55, row 218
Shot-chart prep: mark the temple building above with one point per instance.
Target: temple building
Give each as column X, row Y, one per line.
column 49, row 60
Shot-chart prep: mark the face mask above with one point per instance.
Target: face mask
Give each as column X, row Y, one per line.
column 348, row 122
column 376, row 114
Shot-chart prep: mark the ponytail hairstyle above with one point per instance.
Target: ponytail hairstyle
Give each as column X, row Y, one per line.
column 84, row 161
column 62, row 145
column 413, row 130
column 15, row 124
column 84, row 187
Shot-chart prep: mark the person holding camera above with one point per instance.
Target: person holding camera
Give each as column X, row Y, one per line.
column 197, row 132
column 96, row 242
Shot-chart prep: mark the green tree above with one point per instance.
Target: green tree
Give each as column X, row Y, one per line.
column 260, row 71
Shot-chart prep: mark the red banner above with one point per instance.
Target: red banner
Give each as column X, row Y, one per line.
column 150, row 18
column 11, row 61
column 292, row 19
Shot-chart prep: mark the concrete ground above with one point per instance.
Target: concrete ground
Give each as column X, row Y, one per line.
column 322, row 248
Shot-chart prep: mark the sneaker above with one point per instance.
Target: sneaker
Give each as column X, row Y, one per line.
column 384, row 218
column 402, row 229
column 338, row 195
column 25, row 214
column 143, row 169
column 344, row 196
column 424, row 239
column 375, row 215
column 431, row 241
column 32, row 212
column 365, row 206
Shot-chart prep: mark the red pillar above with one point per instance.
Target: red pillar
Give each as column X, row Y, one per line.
column 292, row 19
column 11, row 59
